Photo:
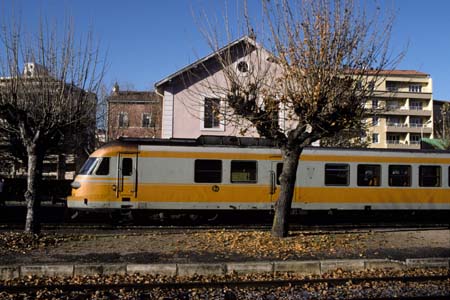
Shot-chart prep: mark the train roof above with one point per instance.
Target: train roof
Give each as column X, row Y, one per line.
column 245, row 142
column 204, row 140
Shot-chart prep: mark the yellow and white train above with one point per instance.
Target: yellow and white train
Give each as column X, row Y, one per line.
column 188, row 175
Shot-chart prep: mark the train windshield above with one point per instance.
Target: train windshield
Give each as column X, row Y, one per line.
column 89, row 165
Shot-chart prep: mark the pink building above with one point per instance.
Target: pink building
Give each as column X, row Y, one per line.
column 192, row 104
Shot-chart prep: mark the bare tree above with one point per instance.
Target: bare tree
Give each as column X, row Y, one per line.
column 326, row 57
column 355, row 137
column 47, row 94
column 443, row 128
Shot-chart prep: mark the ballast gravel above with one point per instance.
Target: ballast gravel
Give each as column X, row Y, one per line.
column 349, row 290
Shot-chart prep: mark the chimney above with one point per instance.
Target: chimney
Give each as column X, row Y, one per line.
column 32, row 69
column 115, row 88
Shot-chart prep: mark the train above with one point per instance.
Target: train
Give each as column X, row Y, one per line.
column 222, row 174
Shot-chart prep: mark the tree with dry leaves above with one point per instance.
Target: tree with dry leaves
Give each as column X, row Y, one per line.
column 47, row 94
column 325, row 59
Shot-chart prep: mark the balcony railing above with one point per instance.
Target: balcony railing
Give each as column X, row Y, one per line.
column 392, row 88
column 416, row 107
column 403, row 146
column 393, row 124
column 391, row 142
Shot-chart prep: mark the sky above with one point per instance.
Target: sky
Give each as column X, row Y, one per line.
column 147, row 40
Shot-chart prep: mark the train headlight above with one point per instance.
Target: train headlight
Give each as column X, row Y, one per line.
column 75, row 185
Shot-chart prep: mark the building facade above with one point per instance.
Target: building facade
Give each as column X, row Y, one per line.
column 133, row 114
column 66, row 153
column 400, row 113
column 192, row 103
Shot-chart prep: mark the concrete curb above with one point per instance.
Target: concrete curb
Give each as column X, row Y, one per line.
column 303, row 267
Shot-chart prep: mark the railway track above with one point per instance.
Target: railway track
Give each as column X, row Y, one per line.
column 324, row 286
column 322, row 229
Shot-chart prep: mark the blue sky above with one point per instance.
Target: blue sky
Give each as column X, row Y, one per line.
column 147, row 40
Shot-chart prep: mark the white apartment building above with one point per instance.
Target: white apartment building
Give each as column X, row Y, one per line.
column 400, row 113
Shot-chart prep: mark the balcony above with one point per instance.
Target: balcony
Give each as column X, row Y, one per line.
column 411, row 128
column 422, row 113
column 402, row 94
column 419, row 128
column 397, row 127
column 397, row 110
column 416, row 107
column 394, row 144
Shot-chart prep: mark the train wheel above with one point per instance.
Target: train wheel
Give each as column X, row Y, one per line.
column 212, row 218
column 121, row 217
column 194, row 218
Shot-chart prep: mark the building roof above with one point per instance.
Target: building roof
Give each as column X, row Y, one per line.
column 125, row 96
column 402, row 73
column 244, row 39
column 250, row 40
column 441, row 101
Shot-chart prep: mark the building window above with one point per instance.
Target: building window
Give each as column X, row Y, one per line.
column 392, row 105
column 359, row 85
column 123, row 120
column 393, row 139
column 394, row 122
column 147, row 120
column 375, row 138
column 429, row 176
column 399, row 175
column 242, row 66
column 415, row 122
column 211, row 117
column 243, row 171
column 416, row 105
column 415, row 88
column 371, row 86
column 375, row 103
column 208, row 170
column 369, row 175
column 414, row 139
column 391, row 86
column 375, row 121
column 337, row 174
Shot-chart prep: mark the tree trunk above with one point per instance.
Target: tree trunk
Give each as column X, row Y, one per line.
column 32, row 223
column 287, row 188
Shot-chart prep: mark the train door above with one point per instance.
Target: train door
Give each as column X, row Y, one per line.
column 275, row 172
column 127, row 179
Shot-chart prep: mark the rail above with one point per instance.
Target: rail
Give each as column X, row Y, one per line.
column 244, row 284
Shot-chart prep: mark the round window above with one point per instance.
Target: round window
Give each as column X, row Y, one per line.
column 242, row 67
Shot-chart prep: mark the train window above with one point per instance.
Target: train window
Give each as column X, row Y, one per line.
column 429, row 176
column 243, row 171
column 88, row 166
column 399, row 175
column 127, row 166
column 103, row 168
column 337, row 174
column 448, row 176
column 208, row 170
column 369, row 175
column 279, row 170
